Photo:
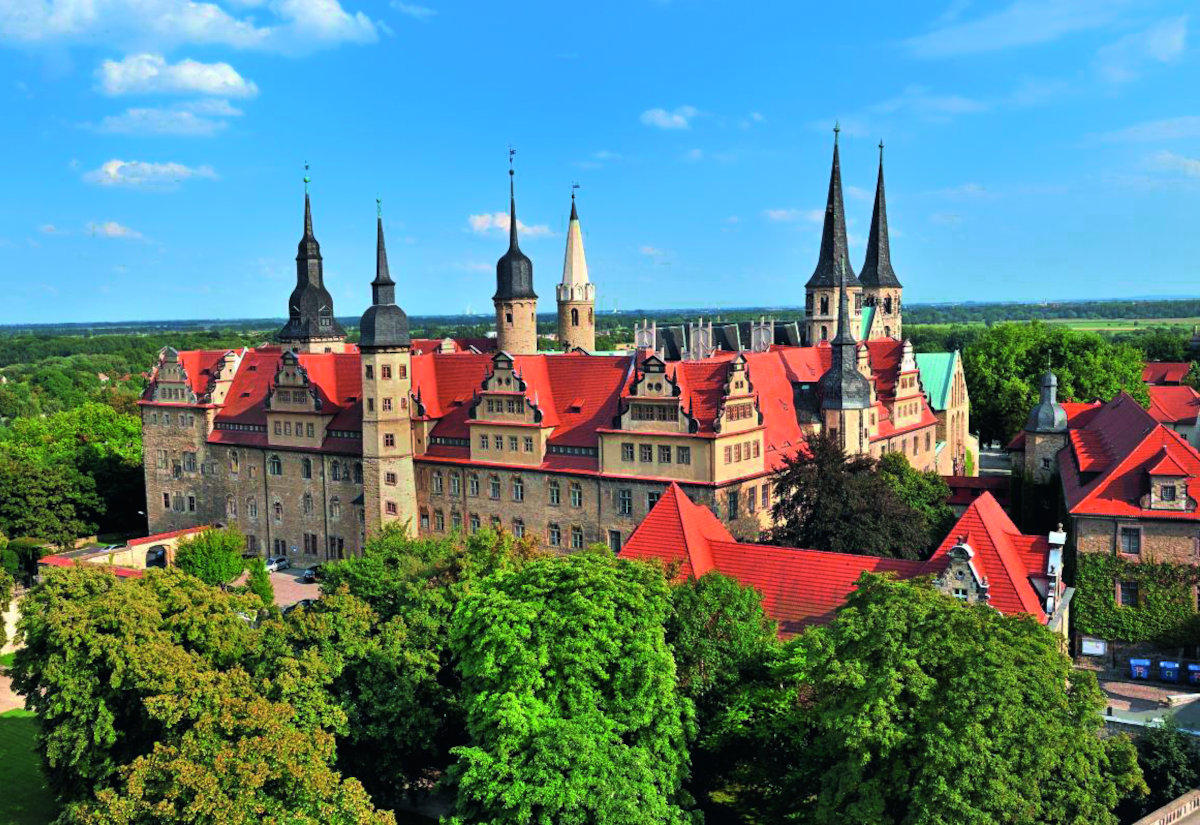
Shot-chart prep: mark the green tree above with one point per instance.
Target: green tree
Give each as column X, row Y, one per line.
column 828, row 501
column 6, row 592
column 229, row 755
column 98, row 650
column 926, row 710
column 384, row 627
column 924, row 492
column 259, row 582
column 570, row 693
column 51, row 501
column 1170, row 762
column 1004, row 365
column 213, row 556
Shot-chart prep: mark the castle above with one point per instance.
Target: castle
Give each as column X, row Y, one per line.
column 311, row 445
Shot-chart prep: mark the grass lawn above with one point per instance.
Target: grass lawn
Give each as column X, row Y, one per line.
column 24, row 797
column 6, row 660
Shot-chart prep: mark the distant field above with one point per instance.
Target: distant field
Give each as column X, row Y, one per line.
column 1121, row 324
column 24, row 797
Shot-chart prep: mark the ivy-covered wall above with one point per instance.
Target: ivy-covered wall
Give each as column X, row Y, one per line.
column 1165, row 613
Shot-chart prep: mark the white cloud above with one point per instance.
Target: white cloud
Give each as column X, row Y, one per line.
column 112, row 229
column 152, row 74
column 792, row 215
column 679, row 118
column 946, row 218
column 1171, row 128
column 1021, row 23
column 272, row 25
column 1163, row 42
column 199, row 118
column 858, row 193
column 486, row 223
column 49, row 229
column 1171, row 162
column 651, row 251
column 140, row 174
column 919, row 100
column 963, row 191
column 414, row 11
column 597, row 159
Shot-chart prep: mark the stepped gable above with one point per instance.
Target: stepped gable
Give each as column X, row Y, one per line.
column 1003, row 554
column 1174, row 404
column 1111, row 454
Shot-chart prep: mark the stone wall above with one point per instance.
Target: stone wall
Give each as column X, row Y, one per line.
column 1162, row 540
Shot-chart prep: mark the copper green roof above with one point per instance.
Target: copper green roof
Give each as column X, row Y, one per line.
column 937, row 374
column 868, row 314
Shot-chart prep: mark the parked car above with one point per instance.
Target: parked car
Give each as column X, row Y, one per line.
column 311, row 574
column 303, row 604
column 278, row 563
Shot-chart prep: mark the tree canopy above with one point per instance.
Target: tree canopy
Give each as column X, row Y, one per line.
column 213, row 556
column 569, row 688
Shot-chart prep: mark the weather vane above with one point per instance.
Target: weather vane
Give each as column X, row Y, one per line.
column 511, row 153
column 307, row 179
column 574, row 186
column 837, row 127
column 378, row 207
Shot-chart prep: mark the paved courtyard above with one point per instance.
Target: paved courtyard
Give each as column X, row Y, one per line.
column 289, row 589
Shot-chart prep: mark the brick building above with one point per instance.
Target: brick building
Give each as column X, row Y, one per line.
column 310, row 445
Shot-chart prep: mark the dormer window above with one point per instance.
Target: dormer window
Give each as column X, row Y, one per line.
column 1167, row 492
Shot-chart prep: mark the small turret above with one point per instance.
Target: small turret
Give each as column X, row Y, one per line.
column 515, row 300
column 576, row 294
column 384, row 324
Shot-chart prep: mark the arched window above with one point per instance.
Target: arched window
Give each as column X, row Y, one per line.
column 306, row 468
column 824, row 304
column 574, row 317
column 277, row 511
column 887, row 305
column 335, row 507
column 335, row 471
column 308, row 504
column 358, row 472
column 887, row 332
column 252, row 508
column 274, row 466
column 234, row 461
column 824, row 333
column 591, row 320
column 230, row 507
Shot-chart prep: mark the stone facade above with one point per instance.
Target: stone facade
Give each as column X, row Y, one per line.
column 516, row 326
column 577, row 324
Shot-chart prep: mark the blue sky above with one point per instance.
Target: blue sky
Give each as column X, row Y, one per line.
column 1035, row 149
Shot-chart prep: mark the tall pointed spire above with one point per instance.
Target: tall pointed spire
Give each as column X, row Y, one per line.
column 383, row 324
column 877, row 267
column 514, row 270
column 843, row 387
column 834, row 260
column 575, row 271
column 310, row 306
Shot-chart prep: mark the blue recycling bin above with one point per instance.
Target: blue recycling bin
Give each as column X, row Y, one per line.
column 1168, row 671
column 1193, row 674
column 1139, row 668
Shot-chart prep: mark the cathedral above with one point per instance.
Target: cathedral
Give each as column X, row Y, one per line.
column 312, row 444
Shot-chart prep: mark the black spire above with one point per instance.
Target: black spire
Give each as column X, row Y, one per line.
column 383, row 324
column 877, row 268
column 310, row 307
column 843, row 387
column 834, row 261
column 574, row 214
column 514, row 270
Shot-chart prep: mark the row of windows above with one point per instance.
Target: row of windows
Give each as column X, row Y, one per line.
column 385, row 371
column 739, row 412
column 508, row 405
column 742, row 451
column 293, row 396
column 438, row 485
column 335, row 546
column 654, row 412
column 184, row 419
column 514, row 444
column 307, row 505
column 337, row 470
column 302, row 429
column 179, row 502
column 554, row 531
column 172, row 394
column 755, row 497
column 646, row 453
column 385, row 403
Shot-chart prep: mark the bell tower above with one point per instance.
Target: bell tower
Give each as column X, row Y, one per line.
column 833, row 274
column 389, row 483
column 880, row 287
column 311, row 326
column 576, row 294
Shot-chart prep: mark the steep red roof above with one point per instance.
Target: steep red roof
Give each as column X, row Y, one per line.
column 677, row 530
column 965, row 489
column 1165, row 372
column 1174, row 404
column 1135, row 445
column 1002, row 553
column 1078, row 413
column 198, row 364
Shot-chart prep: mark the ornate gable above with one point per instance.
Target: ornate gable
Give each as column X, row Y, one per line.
column 171, row 380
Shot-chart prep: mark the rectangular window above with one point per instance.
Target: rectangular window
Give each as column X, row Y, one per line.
column 625, row 502
column 369, row 371
column 498, row 442
column 1127, row 593
column 385, row 371
column 518, row 489
column 493, row 487
column 729, row 455
column 389, row 440
column 439, row 520
column 391, row 508
column 473, row 485
column 626, row 451
column 664, row 455
column 652, row 499
column 455, row 485
column 483, row 441
column 370, row 405
column 510, row 406
column 1168, row 492
column 456, row 520
column 577, row 538
column 732, row 500
column 474, row 523
column 308, row 430
column 529, row 444
column 1131, row 540
column 518, row 528
column 424, row 519
column 437, row 482
column 402, row 371
column 737, row 452
column 555, row 535
column 191, row 504
column 683, row 455
column 387, row 404
column 512, row 443
column 166, row 501
column 555, row 493
column 645, row 453
column 389, row 478
column 287, row 427
column 278, row 428
column 576, row 494
column 757, row 449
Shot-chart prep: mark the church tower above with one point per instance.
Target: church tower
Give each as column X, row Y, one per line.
column 389, row 484
column 576, row 294
column 311, row 326
column 1045, row 432
column 833, row 274
column 845, row 392
column 515, row 300
column 881, row 288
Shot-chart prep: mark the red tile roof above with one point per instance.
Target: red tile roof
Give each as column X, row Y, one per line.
column 157, row 537
column 1078, row 412
column 120, row 572
column 1165, row 372
column 1174, row 405
column 803, row 587
column 1135, row 445
column 965, row 489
